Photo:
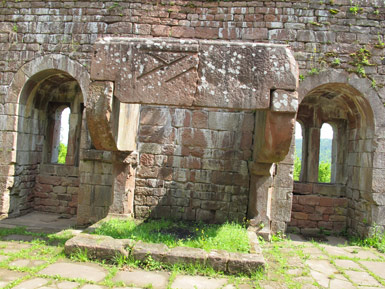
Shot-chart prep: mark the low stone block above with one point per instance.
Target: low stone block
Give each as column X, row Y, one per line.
column 97, row 247
column 186, row 255
column 244, row 263
column 218, row 260
column 142, row 250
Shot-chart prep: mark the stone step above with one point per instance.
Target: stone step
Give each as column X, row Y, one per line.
column 107, row 248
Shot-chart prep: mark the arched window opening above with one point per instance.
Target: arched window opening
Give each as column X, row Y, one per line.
column 60, row 135
column 64, row 128
column 326, row 154
column 298, row 151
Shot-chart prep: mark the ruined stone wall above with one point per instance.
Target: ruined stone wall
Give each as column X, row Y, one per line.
column 323, row 35
column 193, row 163
column 56, row 190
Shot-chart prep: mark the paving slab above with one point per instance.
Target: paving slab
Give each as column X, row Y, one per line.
column 89, row 272
column 141, row 278
column 314, row 253
column 348, row 264
column 321, row 278
column 322, row 266
column 39, row 222
column 338, row 251
column 32, row 283
column 27, row 263
column 7, row 276
column 13, row 247
column 67, row 285
column 238, row 286
column 341, row 284
column 362, row 278
column 197, row 282
column 363, row 253
column 335, row 241
column 377, row 268
column 20, row 238
column 91, row 286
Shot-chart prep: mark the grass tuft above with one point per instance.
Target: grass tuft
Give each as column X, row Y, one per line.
column 231, row 237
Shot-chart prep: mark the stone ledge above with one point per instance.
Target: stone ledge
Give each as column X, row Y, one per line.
column 108, row 248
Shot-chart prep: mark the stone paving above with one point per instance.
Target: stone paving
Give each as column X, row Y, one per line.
column 291, row 264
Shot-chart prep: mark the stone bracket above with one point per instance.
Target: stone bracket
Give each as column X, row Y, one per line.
column 113, row 125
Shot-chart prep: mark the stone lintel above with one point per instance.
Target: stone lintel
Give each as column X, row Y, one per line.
column 219, row 74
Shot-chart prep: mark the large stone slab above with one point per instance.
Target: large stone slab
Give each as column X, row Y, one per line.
column 89, row 272
column 32, row 283
column 97, row 247
column 186, row 255
column 244, row 263
column 140, row 278
column 377, row 268
column 191, row 72
column 142, row 250
column 198, row 282
column 7, row 276
column 362, row 278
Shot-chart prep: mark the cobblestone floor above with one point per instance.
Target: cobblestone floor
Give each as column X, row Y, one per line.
column 294, row 263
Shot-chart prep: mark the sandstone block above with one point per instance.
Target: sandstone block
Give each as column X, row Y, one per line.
column 186, row 255
column 218, row 260
column 97, row 247
column 244, row 263
column 141, row 251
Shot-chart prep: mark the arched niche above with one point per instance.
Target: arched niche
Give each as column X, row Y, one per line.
column 43, row 84
column 356, row 112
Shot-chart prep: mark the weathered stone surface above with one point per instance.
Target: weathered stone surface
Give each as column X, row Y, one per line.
column 186, row 255
column 98, row 247
column 197, row 282
column 141, row 251
column 218, row 260
column 245, row 263
column 90, row 272
column 158, row 280
column 166, row 71
column 150, row 71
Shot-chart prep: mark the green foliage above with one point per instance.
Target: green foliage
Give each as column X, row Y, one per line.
column 334, row 11
column 301, row 77
column 313, row 71
column 336, row 62
column 356, row 9
column 380, row 44
column 229, row 236
column 361, row 58
column 375, row 240
column 297, row 169
column 62, row 154
column 324, row 172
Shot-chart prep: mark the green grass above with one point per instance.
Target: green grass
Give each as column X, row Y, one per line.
column 231, row 237
column 376, row 240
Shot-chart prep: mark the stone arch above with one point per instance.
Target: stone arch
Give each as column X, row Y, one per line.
column 33, row 88
column 357, row 113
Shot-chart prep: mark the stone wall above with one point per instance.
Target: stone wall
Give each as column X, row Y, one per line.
column 323, row 36
column 56, row 190
column 193, row 163
column 314, row 214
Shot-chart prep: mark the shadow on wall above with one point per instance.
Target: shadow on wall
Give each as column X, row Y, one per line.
column 193, row 164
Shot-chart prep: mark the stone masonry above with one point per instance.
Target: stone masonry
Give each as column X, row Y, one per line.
column 131, row 155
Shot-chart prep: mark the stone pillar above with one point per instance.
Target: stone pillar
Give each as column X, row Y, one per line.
column 260, row 204
column 313, row 143
column 72, row 139
column 56, row 136
column 124, row 164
